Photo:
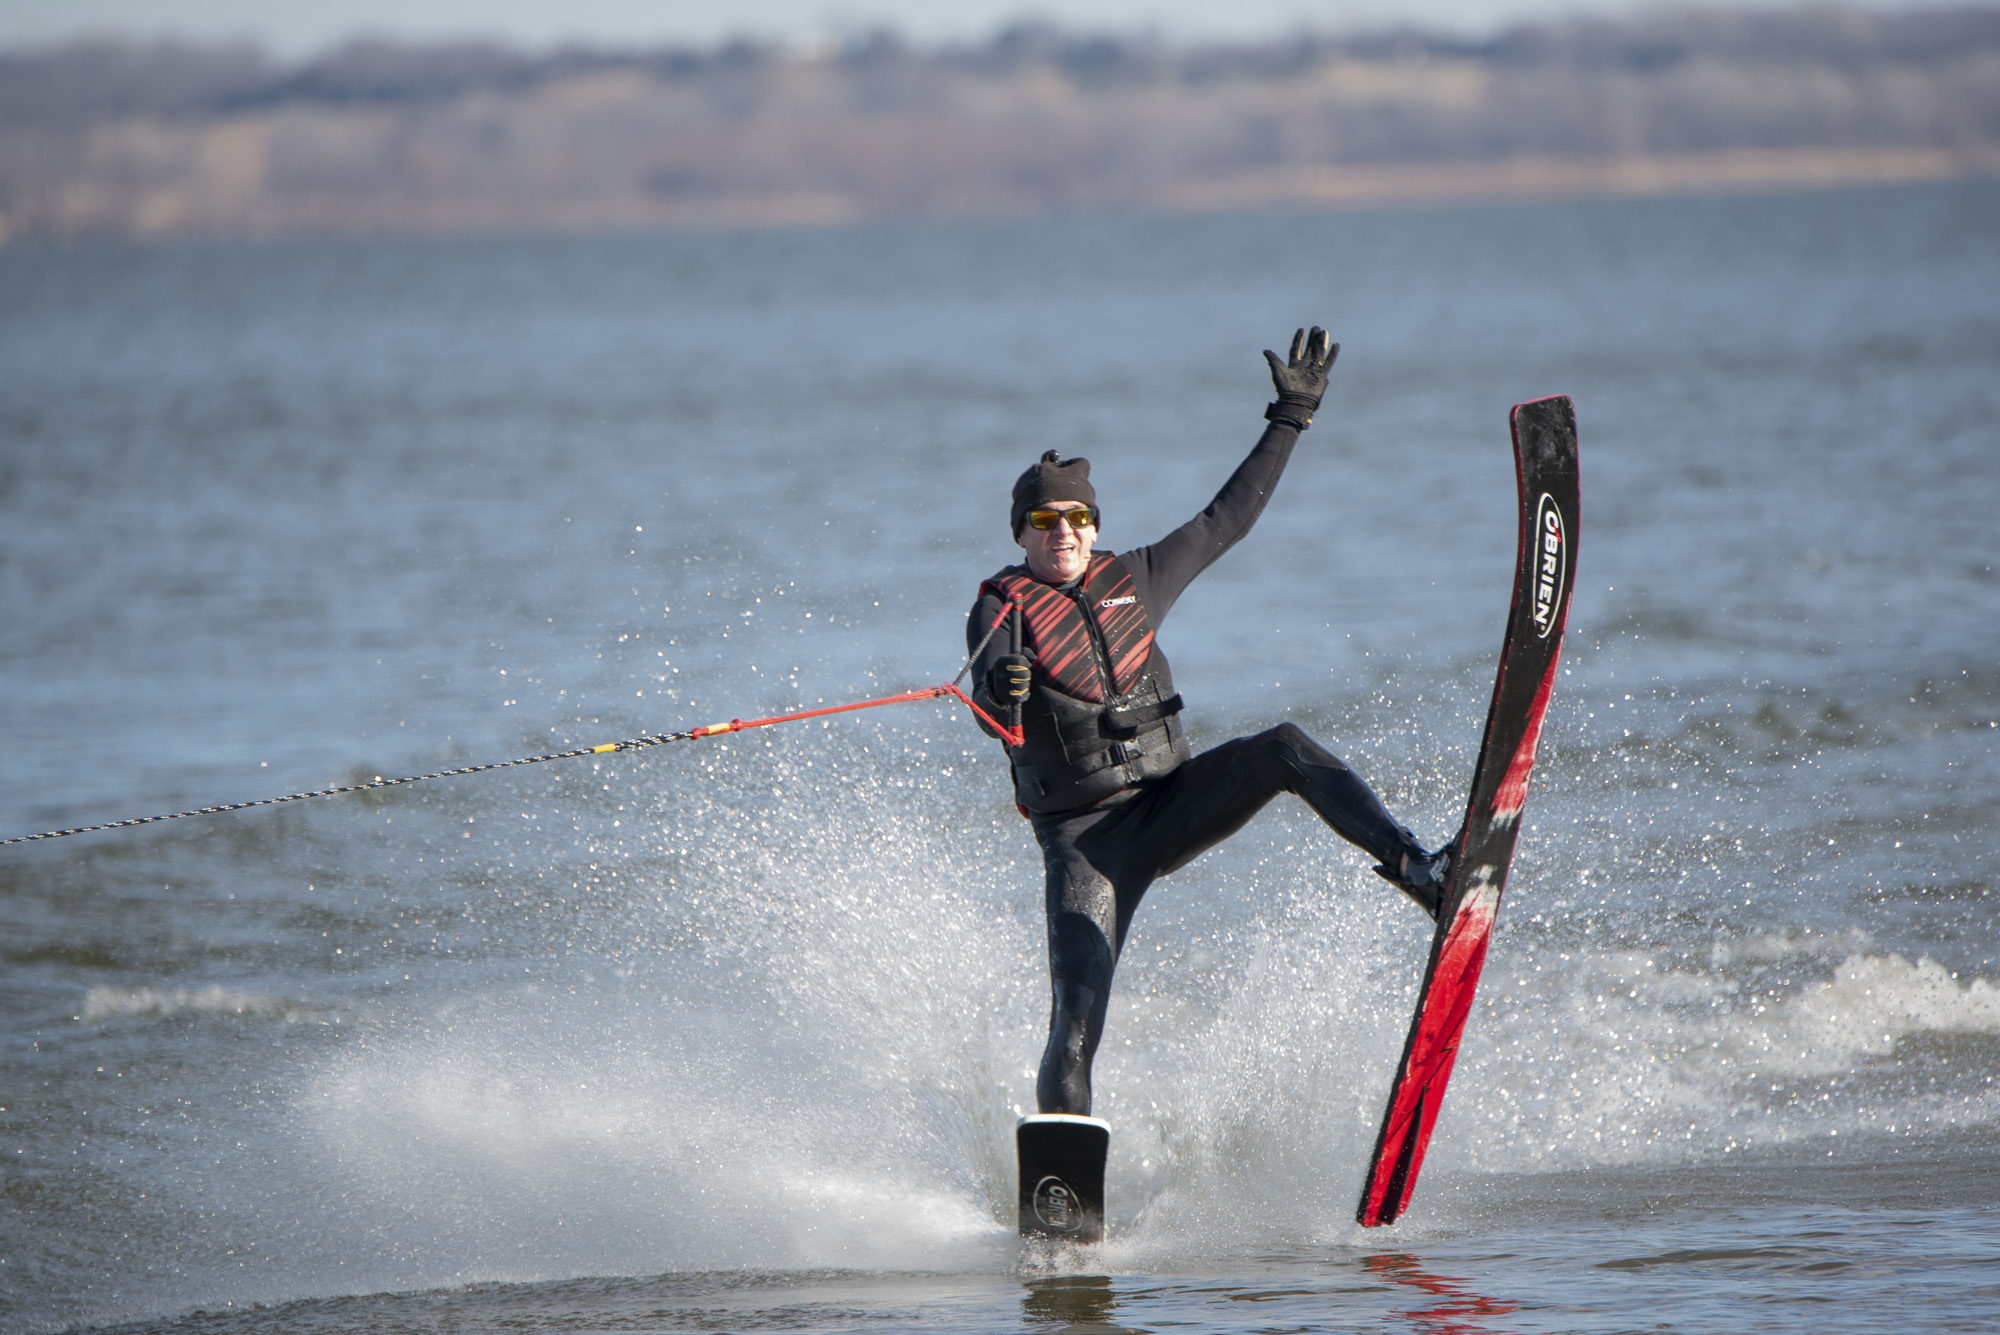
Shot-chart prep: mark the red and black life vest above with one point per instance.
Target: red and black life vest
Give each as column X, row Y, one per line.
column 1059, row 627
column 1100, row 716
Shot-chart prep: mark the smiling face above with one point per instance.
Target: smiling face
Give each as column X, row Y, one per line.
column 1057, row 555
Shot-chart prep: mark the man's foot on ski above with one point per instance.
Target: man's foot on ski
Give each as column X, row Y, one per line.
column 1421, row 875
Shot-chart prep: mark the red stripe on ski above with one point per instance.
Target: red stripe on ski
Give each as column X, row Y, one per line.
column 1513, row 791
column 1440, row 1029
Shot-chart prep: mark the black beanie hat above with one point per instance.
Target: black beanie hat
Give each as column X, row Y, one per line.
column 1050, row 480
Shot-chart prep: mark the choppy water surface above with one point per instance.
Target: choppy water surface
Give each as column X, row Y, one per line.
column 731, row 1035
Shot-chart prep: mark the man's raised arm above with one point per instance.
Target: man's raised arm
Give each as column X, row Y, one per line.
column 1170, row 564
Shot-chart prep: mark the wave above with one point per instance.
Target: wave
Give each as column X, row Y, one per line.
column 1628, row 1057
column 108, row 1003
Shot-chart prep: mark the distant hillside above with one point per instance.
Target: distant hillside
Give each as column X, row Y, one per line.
column 180, row 140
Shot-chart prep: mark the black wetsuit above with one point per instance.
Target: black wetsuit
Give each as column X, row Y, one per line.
column 1101, row 858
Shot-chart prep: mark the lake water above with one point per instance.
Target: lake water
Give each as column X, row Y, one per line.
column 731, row 1035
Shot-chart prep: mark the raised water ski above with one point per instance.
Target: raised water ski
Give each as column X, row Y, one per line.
column 1545, row 469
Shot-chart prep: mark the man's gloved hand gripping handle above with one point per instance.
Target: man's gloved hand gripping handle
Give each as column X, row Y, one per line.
column 1301, row 381
column 1007, row 681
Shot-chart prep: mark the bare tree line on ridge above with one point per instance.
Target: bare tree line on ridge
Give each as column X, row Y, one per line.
column 161, row 140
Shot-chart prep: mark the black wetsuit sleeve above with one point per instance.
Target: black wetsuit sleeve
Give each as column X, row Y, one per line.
column 976, row 626
column 1165, row 568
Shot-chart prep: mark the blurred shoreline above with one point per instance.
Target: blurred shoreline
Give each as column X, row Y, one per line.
column 176, row 140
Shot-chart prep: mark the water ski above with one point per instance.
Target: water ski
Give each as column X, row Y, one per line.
column 1546, row 470
column 1062, row 1176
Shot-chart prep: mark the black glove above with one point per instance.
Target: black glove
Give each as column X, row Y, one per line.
column 1008, row 679
column 1302, row 381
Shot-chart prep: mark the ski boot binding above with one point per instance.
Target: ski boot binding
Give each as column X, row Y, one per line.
column 1420, row 875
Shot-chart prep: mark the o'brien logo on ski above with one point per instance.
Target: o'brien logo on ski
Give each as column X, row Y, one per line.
column 1056, row 1206
column 1549, row 541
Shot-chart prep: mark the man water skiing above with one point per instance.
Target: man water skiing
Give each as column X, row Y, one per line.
column 1104, row 772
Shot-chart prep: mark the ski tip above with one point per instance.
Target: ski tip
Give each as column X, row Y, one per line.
column 1545, row 434
column 1556, row 412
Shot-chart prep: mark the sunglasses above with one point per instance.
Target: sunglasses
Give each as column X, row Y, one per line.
column 1083, row 517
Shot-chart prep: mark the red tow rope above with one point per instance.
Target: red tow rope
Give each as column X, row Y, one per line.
column 1009, row 732
column 1011, row 736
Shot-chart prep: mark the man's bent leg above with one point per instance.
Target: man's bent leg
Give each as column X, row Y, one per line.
column 1215, row 795
column 1344, row 801
column 1294, row 762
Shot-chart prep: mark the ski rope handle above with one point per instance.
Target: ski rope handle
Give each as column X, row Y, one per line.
column 1014, row 640
column 1009, row 733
